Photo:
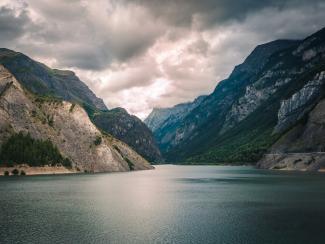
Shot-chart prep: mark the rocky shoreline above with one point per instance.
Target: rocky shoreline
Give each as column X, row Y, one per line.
column 313, row 161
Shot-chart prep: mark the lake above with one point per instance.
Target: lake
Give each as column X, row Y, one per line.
column 171, row 204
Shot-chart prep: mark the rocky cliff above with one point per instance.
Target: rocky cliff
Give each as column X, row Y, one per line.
column 302, row 147
column 64, row 84
column 302, row 118
column 66, row 125
column 274, row 89
column 300, row 103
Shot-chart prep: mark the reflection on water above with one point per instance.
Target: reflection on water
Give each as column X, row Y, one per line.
column 172, row 204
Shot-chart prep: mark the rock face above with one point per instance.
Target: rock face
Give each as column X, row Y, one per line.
column 300, row 103
column 67, row 125
column 277, row 86
column 302, row 147
column 42, row 80
column 163, row 121
column 131, row 130
column 164, row 117
column 293, row 161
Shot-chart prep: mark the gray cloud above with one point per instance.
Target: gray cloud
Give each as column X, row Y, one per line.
column 212, row 12
column 12, row 25
column 163, row 52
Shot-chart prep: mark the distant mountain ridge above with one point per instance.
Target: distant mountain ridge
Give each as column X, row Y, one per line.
column 64, row 84
column 160, row 117
column 247, row 112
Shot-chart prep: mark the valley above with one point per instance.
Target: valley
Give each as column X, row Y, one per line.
column 271, row 103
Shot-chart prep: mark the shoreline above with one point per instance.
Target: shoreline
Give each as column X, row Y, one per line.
column 49, row 170
column 24, row 170
column 60, row 170
column 285, row 169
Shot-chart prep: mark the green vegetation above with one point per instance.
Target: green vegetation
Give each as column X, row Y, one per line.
column 247, row 147
column 34, row 113
column 131, row 165
column 244, row 143
column 50, row 120
column 5, row 88
column 15, row 172
column 250, row 138
column 98, row 140
column 91, row 110
column 117, row 148
column 23, row 149
column 6, row 173
column 72, row 107
column 48, row 99
column 129, row 162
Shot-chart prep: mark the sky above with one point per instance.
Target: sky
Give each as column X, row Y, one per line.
column 141, row 54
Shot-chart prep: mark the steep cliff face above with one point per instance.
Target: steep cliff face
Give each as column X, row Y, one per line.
column 302, row 147
column 300, row 103
column 129, row 129
column 64, row 84
column 251, row 109
column 67, row 125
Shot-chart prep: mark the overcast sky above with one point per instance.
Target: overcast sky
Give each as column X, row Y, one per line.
column 142, row 54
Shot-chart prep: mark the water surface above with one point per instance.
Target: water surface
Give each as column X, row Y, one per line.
column 172, row 204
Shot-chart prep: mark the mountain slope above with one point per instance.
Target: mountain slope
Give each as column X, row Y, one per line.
column 302, row 146
column 238, row 122
column 129, row 129
column 66, row 125
column 63, row 84
column 163, row 117
column 42, row 80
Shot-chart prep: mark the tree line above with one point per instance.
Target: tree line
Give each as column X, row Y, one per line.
column 21, row 148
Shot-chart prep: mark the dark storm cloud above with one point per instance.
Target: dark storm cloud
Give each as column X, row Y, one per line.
column 211, row 12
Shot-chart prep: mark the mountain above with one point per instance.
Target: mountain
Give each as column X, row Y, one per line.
column 252, row 109
column 129, row 129
column 42, row 80
column 63, row 84
column 162, row 117
column 164, row 120
column 64, row 124
column 302, row 146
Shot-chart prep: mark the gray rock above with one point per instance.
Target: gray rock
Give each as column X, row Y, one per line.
column 70, row 130
column 300, row 103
